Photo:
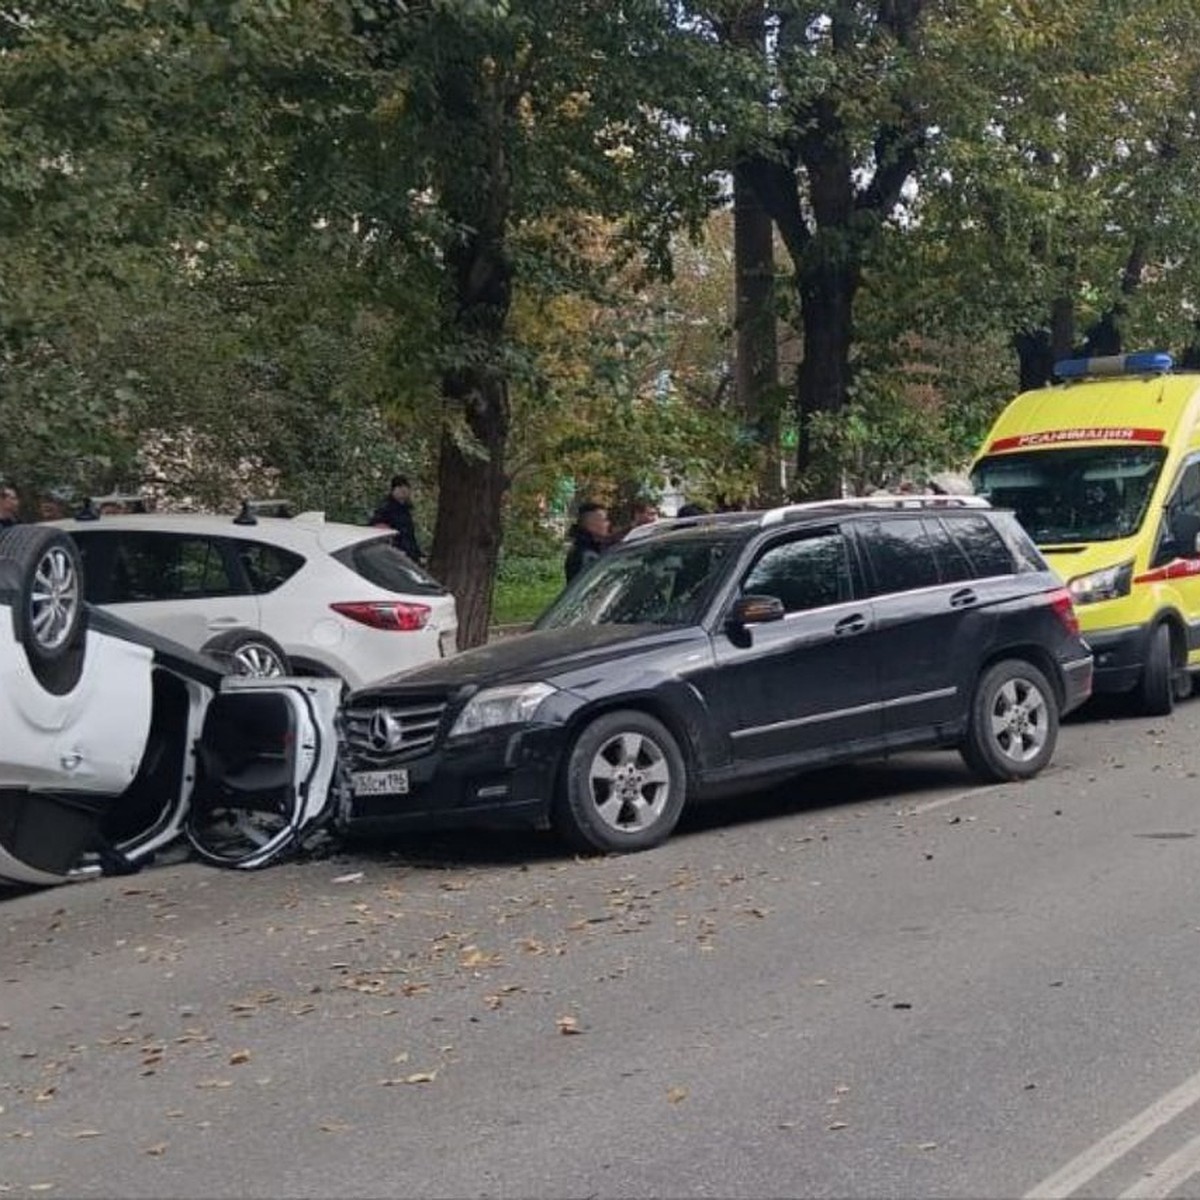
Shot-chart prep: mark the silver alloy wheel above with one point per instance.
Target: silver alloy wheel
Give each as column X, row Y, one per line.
column 629, row 782
column 257, row 661
column 1020, row 720
column 54, row 599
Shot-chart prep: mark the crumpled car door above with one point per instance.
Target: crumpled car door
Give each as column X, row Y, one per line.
column 265, row 765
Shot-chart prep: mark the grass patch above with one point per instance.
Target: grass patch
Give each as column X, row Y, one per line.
column 524, row 588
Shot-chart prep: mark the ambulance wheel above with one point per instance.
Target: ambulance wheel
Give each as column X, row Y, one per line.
column 1155, row 693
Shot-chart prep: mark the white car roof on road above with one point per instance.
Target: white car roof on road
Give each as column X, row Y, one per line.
column 298, row 533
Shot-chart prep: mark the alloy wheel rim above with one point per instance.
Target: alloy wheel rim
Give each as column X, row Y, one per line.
column 629, row 782
column 257, row 661
column 54, row 599
column 1020, row 720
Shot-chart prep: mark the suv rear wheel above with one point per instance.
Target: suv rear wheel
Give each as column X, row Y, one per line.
column 45, row 572
column 249, row 652
column 1013, row 724
column 625, row 784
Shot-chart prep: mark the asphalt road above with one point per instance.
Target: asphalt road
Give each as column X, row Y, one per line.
column 877, row 982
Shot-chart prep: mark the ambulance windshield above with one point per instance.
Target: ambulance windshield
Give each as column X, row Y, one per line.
column 1068, row 495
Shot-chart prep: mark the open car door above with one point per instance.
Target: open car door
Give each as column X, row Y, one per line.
column 265, row 764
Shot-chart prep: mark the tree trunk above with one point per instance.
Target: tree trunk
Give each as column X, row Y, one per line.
column 756, row 363
column 827, row 291
column 471, row 477
column 756, row 353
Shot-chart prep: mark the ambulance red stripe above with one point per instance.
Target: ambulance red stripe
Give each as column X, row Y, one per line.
column 1057, row 437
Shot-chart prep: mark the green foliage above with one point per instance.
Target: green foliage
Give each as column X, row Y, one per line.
column 525, row 587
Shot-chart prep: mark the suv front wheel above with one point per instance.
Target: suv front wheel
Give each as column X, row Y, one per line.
column 625, row 785
column 1013, row 722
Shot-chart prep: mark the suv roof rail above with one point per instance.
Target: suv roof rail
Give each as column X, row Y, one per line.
column 664, row 523
column 774, row 516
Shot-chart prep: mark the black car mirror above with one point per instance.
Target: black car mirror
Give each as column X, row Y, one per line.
column 755, row 610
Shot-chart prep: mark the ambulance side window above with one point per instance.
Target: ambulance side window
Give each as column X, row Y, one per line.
column 1181, row 522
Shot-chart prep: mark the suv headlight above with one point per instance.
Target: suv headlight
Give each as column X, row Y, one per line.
column 1109, row 584
column 509, row 705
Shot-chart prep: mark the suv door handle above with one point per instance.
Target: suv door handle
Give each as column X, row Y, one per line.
column 963, row 598
column 848, row 626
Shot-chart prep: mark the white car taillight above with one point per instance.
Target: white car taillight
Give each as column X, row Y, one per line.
column 400, row 615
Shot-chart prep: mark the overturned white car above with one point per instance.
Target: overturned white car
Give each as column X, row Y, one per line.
column 115, row 742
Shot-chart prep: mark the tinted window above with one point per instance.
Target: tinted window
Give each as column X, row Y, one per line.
column 267, row 567
column 983, row 545
column 379, row 562
column 953, row 565
column 809, row 572
column 902, row 554
column 167, row 566
column 650, row 582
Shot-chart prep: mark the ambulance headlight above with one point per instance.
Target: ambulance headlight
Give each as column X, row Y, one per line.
column 1109, row 584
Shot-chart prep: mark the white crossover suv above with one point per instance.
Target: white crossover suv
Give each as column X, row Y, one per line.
column 270, row 595
column 115, row 741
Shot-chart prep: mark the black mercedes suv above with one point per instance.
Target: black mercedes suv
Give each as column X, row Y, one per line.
column 719, row 654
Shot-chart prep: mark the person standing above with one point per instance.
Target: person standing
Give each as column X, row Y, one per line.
column 395, row 512
column 589, row 538
column 10, row 505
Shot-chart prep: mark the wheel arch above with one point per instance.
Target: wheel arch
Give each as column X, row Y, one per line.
column 1029, row 652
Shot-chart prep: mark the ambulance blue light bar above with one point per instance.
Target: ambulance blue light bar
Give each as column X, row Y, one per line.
column 1143, row 362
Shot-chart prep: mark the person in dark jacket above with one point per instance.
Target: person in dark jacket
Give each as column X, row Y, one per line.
column 395, row 512
column 10, row 504
column 589, row 538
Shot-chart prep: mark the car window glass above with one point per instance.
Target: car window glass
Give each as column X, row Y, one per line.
column 953, row 564
column 96, row 551
column 164, row 566
column 984, row 546
column 1182, row 518
column 267, row 567
column 901, row 553
column 378, row 561
column 648, row 582
column 805, row 573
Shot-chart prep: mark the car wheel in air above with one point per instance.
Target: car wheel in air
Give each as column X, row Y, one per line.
column 43, row 570
column 624, row 785
column 248, row 652
column 1013, row 723
column 1156, row 692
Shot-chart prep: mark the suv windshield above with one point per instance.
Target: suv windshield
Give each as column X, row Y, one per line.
column 653, row 582
column 1092, row 494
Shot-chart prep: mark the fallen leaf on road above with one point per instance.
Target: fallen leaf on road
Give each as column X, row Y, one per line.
column 836, row 1125
column 87, row 1133
column 46, row 1094
column 155, row 1151
column 474, row 957
column 927, row 1146
column 421, row 1077
column 238, row 1057
column 215, row 1083
column 40, row 1187
column 568, row 1025
column 353, row 877
column 675, row 1094
column 335, row 1127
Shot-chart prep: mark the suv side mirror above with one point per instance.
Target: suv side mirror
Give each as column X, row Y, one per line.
column 755, row 610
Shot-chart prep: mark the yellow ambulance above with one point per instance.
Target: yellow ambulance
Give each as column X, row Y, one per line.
column 1103, row 471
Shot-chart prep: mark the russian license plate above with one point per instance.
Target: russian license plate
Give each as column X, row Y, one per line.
column 380, row 783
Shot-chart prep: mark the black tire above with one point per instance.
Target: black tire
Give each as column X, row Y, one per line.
column 249, row 652
column 1155, row 692
column 1013, row 724
column 42, row 569
column 623, row 787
